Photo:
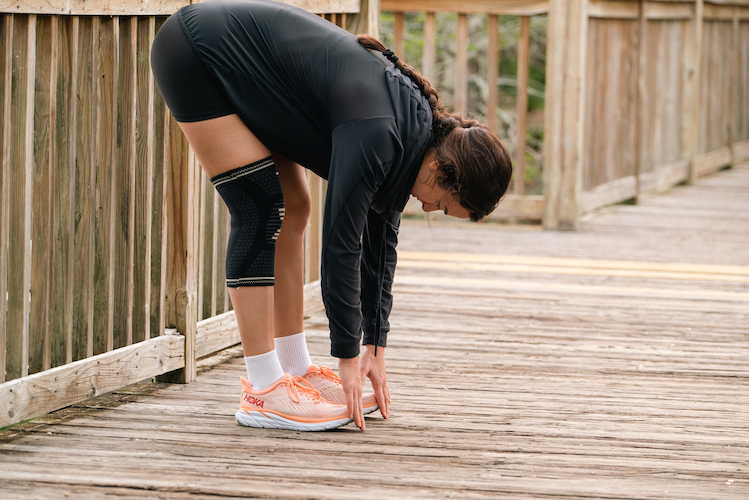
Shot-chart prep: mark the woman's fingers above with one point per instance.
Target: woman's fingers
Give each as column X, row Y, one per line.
column 348, row 370
column 382, row 395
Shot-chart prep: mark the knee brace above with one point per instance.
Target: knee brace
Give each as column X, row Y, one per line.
column 255, row 201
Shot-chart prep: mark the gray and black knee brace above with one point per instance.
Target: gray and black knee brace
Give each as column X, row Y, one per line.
column 255, row 201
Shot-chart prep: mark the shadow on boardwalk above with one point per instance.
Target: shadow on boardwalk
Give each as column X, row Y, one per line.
column 609, row 363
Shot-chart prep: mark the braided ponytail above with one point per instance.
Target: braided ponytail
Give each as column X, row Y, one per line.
column 473, row 164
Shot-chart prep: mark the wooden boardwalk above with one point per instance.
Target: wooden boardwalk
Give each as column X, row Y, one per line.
column 609, row 363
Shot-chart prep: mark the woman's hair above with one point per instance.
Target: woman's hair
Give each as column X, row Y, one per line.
column 473, row 164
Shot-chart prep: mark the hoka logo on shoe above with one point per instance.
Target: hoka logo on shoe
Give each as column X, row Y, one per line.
column 252, row 400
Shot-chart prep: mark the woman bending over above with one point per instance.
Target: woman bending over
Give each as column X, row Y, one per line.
column 262, row 91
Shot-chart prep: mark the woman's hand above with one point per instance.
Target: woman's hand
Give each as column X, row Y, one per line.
column 374, row 367
column 350, row 373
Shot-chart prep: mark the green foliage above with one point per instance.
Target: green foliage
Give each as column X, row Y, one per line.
column 478, row 87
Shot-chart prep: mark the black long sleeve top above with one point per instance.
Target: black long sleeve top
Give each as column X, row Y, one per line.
column 309, row 91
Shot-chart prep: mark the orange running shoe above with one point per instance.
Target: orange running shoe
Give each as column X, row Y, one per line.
column 330, row 386
column 291, row 403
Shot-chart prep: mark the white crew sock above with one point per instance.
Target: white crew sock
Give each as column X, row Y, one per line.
column 293, row 354
column 263, row 370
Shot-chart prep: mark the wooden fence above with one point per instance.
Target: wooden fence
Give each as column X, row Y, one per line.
column 111, row 238
column 112, row 241
column 639, row 95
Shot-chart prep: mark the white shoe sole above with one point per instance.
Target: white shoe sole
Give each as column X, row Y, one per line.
column 273, row 421
column 367, row 411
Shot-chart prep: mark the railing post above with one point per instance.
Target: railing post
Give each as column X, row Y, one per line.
column 367, row 21
column 182, row 202
column 565, row 81
column 692, row 91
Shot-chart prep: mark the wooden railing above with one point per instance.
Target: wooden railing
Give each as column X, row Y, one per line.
column 110, row 236
column 639, row 95
column 515, row 204
column 112, row 242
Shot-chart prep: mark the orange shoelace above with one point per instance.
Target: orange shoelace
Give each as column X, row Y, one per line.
column 330, row 374
column 298, row 385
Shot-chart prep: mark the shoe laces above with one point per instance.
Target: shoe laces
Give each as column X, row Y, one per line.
column 297, row 386
column 330, row 375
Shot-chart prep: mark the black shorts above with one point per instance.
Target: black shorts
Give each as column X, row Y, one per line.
column 188, row 89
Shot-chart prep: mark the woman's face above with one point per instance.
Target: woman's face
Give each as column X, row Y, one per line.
column 434, row 197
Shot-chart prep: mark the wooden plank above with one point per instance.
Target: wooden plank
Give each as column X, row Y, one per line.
column 223, row 225
column 123, row 184
column 521, row 109
column 741, row 151
column 143, row 187
column 668, row 270
column 399, row 29
column 430, row 46
column 564, row 112
column 148, row 7
column 734, row 135
column 693, row 88
column 664, row 178
column 218, row 282
column 528, row 207
column 20, row 196
column 182, row 198
column 611, row 9
column 668, row 11
column 84, row 8
column 492, row 71
column 609, row 193
column 50, row 390
column 713, row 161
column 44, row 180
column 106, row 162
column 506, row 7
column 366, row 20
column 718, row 12
column 460, row 97
column 641, row 98
column 6, row 75
column 205, row 268
column 63, row 198
column 82, row 43
column 158, row 218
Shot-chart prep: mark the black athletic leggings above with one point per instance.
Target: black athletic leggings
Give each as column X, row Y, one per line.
column 188, row 89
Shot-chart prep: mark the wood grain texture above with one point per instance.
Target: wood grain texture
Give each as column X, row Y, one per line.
column 143, row 188
column 460, row 94
column 399, row 27
column 430, row 46
column 158, row 217
column 43, row 171
column 498, row 392
column 505, row 7
column 148, row 7
column 564, row 114
column 6, row 75
column 65, row 385
column 106, row 159
column 492, row 69
column 521, row 107
column 84, row 43
column 20, row 186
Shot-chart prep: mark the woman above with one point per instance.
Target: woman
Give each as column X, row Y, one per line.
column 263, row 90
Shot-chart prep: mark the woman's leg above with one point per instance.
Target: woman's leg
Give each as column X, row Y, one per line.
column 290, row 341
column 289, row 288
column 222, row 144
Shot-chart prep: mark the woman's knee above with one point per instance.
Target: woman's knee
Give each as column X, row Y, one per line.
column 298, row 208
column 296, row 194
